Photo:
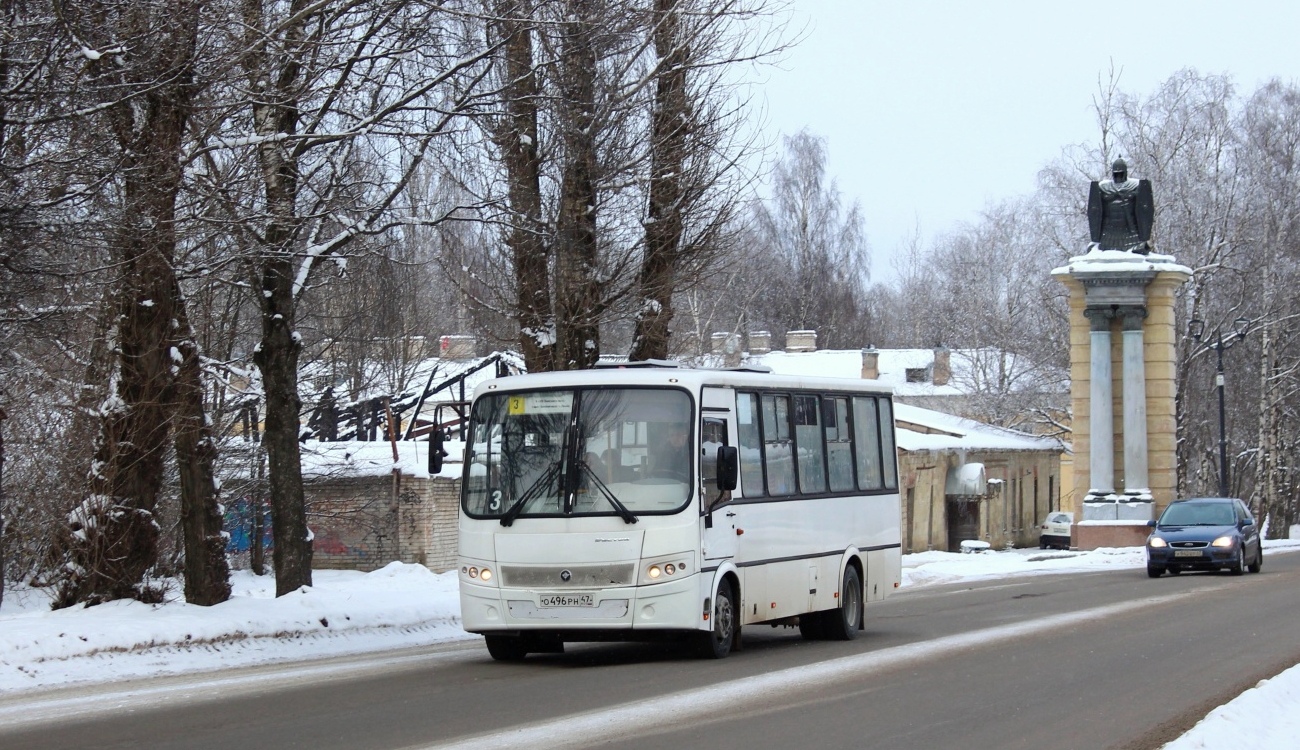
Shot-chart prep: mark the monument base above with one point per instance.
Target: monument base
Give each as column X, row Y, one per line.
column 1090, row 535
column 1114, row 507
column 1113, row 521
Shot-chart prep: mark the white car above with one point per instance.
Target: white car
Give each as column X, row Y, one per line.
column 1055, row 530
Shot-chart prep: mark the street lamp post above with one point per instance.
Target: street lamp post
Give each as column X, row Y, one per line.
column 1197, row 329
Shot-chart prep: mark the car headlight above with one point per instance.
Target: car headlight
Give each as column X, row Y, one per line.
column 1223, row 541
column 667, row 568
column 1156, row 541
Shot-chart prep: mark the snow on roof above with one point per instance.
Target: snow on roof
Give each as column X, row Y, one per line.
column 350, row 459
column 971, row 369
column 383, row 380
column 940, row 432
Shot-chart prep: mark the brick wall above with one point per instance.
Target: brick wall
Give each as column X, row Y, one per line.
column 364, row 523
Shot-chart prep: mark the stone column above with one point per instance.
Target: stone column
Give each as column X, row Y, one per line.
column 1101, row 453
column 1140, row 290
column 1136, row 483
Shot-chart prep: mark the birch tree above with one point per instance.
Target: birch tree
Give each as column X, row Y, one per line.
column 1270, row 127
column 814, row 250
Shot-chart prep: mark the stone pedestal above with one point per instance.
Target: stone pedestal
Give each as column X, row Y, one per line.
column 1122, row 384
column 1095, row 534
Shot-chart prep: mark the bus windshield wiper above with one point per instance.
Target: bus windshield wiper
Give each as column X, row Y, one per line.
column 534, row 490
column 608, row 494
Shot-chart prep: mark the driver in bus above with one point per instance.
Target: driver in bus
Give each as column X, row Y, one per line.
column 671, row 459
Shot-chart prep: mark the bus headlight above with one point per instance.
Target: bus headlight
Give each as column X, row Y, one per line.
column 667, row 568
column 477, row 572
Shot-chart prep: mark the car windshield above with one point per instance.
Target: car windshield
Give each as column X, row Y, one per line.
column 1198, row 514
column 608, row 451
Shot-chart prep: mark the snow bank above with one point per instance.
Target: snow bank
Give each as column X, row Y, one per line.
column 344, row 612
column 1264, row 716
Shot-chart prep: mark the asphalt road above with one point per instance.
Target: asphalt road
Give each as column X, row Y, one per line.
column 1099, row 660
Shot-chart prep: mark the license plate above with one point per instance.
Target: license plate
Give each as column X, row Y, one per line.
column 1188, row 553
column 568, row 600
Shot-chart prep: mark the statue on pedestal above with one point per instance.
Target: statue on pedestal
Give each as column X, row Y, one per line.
column 1121, row 211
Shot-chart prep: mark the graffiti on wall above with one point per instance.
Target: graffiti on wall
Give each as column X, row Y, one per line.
column 241, row 524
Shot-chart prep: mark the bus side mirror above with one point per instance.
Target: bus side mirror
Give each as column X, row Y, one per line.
column 436, row 451
column 728, row 467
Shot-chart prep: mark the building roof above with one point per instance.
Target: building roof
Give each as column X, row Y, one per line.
column 971, row 370
column 928, row 430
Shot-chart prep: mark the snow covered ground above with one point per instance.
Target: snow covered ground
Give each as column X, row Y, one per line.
column 404, row 606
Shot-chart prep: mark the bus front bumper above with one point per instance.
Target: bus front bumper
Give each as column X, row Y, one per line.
column 672, row 605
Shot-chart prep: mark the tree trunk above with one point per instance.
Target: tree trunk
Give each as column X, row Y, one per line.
column 516, row 136
column 3, row 568
column 1271, row 505
column 275, row 116
column 111, row 540
column 663, row 228
column 257, row 552
column 577, row 286
column 277, row 359
column 207, row 574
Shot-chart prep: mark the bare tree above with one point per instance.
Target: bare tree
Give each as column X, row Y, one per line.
column 695, row 186
column 813, row 249
column 328, row 88
column 1271, row 132
column 615, row 136
column 515, row 132
column 140, row 66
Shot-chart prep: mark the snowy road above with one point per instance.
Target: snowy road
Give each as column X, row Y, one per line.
column 1108, row 659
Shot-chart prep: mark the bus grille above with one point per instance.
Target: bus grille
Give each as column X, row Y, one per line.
column 579, row 576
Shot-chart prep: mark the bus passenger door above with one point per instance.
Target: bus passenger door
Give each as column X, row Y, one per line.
column 719, row 519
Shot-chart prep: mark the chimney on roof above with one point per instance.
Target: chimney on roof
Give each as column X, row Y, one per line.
column 942, row 371
column 870, row 363
column 760, row 342
column 801, row 341
column 728, row 345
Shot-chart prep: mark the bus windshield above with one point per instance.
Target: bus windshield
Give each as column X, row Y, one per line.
column 581, row 452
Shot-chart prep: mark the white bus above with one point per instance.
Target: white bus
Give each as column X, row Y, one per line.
column 654, row 502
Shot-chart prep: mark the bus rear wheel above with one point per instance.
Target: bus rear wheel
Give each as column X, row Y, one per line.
column 716, row 644
column 811, row 626
column 506, row 647
column 842, row 624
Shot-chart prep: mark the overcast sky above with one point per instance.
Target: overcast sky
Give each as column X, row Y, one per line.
column 933, row 108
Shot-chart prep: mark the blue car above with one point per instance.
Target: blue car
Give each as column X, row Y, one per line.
column 1204, row 533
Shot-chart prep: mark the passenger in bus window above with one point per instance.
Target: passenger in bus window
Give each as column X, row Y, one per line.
column 613, row 464
column 670, row 459
column 596, row 465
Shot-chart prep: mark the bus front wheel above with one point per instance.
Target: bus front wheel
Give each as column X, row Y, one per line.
column 716, row 644
column 506, row 647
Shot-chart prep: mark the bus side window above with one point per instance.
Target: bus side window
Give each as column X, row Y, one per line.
column 866, row 443
column 778, row 459
column 810, row 443
column 887, row 447
column 839, row 446
column 751, row 445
